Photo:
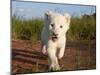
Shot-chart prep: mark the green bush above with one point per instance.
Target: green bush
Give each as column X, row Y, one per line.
column 26, row 29
column 80, row 28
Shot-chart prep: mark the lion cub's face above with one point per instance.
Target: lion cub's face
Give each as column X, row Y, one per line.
column 57, row 24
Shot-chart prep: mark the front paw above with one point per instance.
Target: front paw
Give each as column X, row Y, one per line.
column 54, row 68
column 60, row 55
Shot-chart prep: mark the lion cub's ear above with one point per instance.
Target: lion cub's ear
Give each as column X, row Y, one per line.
column 48, row 14
column 68, row 17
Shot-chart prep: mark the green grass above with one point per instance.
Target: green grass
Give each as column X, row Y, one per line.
column 83, row 28
column 26, row 29
column 80, row 28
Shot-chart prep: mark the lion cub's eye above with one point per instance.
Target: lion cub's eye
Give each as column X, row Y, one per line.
column 61, row 26
column 52, row 25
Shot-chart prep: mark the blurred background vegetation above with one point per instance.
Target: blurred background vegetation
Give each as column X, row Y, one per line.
column 82, row 28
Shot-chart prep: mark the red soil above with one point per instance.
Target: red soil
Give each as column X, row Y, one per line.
column 27, row 57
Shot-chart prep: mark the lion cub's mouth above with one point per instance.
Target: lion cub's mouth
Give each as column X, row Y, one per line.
column 54, row 38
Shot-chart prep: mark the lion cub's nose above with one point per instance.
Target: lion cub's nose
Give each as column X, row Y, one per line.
column 55, row 34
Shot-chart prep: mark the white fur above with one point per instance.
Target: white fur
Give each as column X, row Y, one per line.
column 55, row 49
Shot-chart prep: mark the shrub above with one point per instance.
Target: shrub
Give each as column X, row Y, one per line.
column 26, row 29
column 80, row 28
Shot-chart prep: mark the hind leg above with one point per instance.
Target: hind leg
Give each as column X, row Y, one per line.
column 43, row 49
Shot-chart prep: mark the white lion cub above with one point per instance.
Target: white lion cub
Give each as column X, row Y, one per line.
column 53, row 37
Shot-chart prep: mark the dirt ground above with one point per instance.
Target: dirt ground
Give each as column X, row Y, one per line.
column 27, row 57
